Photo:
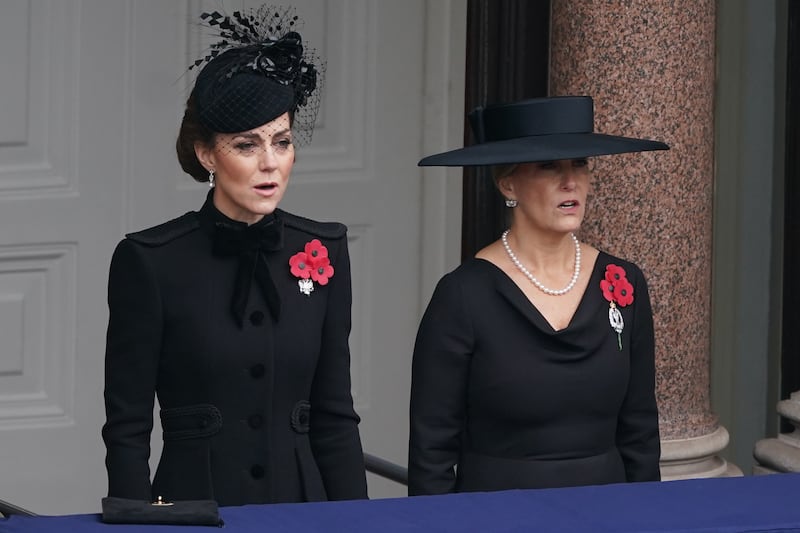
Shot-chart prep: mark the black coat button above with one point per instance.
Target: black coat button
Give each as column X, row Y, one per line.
column 257, row 471
column 255, row 421
column 256, row 318
column 257, row 371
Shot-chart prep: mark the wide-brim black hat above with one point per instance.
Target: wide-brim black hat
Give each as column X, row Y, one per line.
column 538, row 129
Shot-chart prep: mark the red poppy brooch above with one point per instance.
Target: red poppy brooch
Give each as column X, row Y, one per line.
column 310, row 265
column 619, row 292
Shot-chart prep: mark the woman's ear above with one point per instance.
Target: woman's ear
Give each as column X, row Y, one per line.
column 506, row 186
column 205, row 155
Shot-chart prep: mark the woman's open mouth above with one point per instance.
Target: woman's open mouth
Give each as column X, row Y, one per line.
column 266, row 189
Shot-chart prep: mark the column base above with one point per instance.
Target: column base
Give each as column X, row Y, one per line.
column 781, row 454
column 760, row 470
column 697, row 457
column 777, row 455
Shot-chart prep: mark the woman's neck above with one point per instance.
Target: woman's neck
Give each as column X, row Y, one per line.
column 542, row 251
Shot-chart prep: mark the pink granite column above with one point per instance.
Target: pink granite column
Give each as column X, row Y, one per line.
column 649, row 64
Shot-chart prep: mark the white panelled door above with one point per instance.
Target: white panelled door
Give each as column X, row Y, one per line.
column 63, row 151
column 91, row 95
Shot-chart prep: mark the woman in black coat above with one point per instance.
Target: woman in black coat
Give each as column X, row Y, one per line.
column 534, row 362
column 236, row 316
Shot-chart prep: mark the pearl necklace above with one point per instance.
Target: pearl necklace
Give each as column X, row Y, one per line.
column 539, row 285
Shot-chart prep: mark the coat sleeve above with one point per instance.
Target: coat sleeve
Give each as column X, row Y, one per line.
column 131, row 364
column 439, row 375
column 637, row 426
column 334, row 435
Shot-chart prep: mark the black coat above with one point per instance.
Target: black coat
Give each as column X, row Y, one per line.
column 256, row 412
column 515, row 404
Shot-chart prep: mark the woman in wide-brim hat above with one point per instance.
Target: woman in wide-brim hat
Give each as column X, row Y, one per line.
column 236, row 316
column 534, row 362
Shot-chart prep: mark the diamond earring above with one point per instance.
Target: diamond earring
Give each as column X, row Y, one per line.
column 511, row 203
column 211, row 178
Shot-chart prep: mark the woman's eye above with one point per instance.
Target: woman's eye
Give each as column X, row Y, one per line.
column 282, row 145
column 245, row 146
column 548, row 165
column 580, row 162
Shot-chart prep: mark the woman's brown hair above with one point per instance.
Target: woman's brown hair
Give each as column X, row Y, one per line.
column 192, row 131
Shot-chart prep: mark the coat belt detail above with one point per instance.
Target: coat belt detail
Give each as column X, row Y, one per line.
column 190, row 422
column 301, row 414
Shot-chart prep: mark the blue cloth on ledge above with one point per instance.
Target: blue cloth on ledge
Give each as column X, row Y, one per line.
column 721, row 505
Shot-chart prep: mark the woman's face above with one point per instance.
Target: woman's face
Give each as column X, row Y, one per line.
column 251, row 169
column 551, row 195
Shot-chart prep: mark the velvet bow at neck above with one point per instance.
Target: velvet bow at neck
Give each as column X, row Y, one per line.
column 249, row 244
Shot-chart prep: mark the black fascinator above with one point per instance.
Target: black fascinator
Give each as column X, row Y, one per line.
column 258, row 70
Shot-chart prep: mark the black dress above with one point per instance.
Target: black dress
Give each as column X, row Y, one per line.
column 512, row 403
column 255, row 404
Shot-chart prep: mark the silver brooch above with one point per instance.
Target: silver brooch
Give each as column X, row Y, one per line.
column 616, row 321
column 306, row 286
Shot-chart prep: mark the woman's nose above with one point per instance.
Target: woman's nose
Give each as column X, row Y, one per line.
column 568, row 176
column 268, row 159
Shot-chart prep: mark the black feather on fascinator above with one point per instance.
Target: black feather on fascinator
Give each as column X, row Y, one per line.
column 258, row 70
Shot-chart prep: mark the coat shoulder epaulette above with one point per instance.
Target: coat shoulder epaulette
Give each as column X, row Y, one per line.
column 326, row 230
column 166, row 232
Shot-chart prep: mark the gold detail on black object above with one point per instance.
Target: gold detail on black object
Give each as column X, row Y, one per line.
column 160, row 502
